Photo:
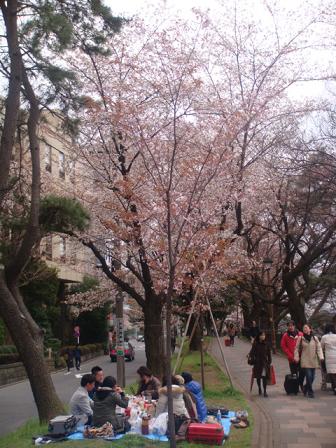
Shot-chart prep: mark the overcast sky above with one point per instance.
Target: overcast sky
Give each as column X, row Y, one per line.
column 130, row 7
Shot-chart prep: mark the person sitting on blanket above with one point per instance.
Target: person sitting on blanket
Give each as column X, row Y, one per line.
column 178, row 402
column 195, row 388
column 189, row 399
column 99, row 378
column 148, row 383
column 80, row 402
column 105, row 401
column 261, row 359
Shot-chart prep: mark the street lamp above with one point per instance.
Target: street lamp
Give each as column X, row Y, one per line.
column 268, row 264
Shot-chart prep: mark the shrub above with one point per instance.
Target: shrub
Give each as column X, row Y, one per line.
column 9, row 358
column 64, row 349
column 4, row 349
column 54, row 344
column 60, row 362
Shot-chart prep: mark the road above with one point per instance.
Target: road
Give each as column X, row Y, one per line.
column 17, row 403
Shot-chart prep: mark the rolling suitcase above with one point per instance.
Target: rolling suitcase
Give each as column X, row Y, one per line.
column 206, row 433
column 291, row 384
column 62, row 424
column 227, row 342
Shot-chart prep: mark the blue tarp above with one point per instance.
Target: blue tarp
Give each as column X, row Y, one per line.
column 79, row 434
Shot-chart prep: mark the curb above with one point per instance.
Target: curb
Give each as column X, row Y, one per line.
column 262, row 436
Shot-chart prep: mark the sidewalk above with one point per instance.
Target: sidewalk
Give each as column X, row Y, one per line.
column 282, row 421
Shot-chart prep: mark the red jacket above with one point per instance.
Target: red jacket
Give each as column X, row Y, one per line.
column 288, row 344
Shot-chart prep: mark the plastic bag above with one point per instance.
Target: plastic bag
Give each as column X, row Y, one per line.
column 160, row 424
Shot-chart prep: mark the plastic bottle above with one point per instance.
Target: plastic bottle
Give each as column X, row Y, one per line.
column 145, row 425
column 138, row 424
column 219, row 417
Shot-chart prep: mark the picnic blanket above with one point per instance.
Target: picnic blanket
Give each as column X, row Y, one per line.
column 80, row 436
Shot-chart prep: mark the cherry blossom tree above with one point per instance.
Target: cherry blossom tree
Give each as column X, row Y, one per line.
column 159, row 169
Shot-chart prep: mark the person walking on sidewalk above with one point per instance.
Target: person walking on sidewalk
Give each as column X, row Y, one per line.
column 254, row 331
column 328, row 344
column 308, row 352
column 68, row 356
column 77, row 356
column 261, row 359
column 232, row 333
column 288, row 344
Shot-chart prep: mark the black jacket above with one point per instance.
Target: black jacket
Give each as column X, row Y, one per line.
column 262, row 359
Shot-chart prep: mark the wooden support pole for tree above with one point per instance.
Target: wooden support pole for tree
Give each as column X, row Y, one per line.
column 185, row 332
column 191, row 336
column 202, row 364
column 220, row 344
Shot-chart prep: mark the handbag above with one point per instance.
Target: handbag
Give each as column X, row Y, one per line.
column 272, row 380
column 120, row 424
column 251, row 357
column 250, row 360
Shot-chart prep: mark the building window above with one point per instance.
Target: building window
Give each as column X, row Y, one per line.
column 73, row 252
column 72, row 171
column 62, row 249
column 61, row 165
column 47, row 158
column 48, row 247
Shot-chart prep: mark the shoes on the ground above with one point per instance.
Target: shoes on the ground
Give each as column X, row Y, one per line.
column 311, row 395
column 260, row 392
column 67, row 373
column 334, row 391
column 242, row 424
column 235, row 420
column 242, row 414
column 323, row 387
column 265, row 394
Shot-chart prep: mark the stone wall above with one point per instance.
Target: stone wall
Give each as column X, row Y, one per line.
column 12, row 373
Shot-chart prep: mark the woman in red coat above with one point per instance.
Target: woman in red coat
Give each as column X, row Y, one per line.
column 261, row 359
column 288, row 344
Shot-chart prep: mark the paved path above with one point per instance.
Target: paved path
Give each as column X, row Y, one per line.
column 16, row 400
column 283, row 421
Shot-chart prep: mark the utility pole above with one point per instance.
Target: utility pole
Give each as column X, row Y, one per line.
column 120, row 339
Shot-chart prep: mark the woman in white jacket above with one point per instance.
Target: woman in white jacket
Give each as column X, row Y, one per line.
column 328, row 343
column 178, row 401
column 308, row 352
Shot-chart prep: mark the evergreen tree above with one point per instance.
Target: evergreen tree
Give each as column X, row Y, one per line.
column 37, row 33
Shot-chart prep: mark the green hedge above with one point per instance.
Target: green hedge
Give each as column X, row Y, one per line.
column 54, row 344
column 9, row 358
column 85, row 349
column 5, row 349
column 9, row 355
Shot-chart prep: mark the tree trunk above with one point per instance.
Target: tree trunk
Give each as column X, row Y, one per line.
column 12, row 104
column 29, row 343
column 153, row 332
column 296, row 307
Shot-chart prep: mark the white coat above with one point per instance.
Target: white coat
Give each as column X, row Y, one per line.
column 328, row 343
column 178, row 401
column 311, row 352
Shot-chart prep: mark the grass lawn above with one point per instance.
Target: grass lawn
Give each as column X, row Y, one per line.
column 217, row 393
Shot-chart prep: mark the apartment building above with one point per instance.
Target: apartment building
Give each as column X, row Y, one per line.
column 60, row 175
